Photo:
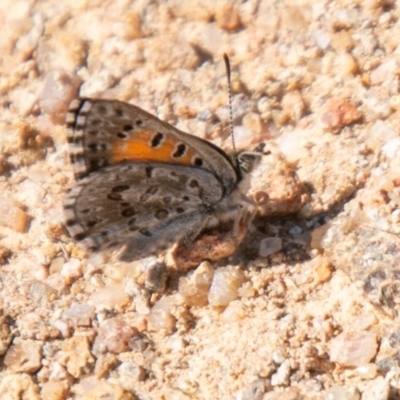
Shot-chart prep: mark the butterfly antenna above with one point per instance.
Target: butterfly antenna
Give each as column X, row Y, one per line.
column 228, row 75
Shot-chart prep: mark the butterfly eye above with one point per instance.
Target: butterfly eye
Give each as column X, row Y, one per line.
column 248, row 159
column 246, row 162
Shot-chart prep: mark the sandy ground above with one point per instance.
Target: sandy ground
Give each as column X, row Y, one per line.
column 307, row 306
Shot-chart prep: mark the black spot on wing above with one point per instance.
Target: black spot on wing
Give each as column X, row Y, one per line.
column 128, row 212
column 161, row 213
column 157, row 139
column 149, row 171
column 145, row 232
column 120, row 188
column 179, row 151
column 127, row 127
column 198, row 162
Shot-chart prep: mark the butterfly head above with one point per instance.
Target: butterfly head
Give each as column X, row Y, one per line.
column 247, row 160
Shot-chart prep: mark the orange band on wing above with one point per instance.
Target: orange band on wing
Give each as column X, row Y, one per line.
column 138, row 148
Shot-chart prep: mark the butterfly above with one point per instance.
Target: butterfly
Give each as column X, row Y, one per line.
column 142, row 184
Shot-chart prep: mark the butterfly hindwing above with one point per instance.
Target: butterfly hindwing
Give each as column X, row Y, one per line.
column 141, row 204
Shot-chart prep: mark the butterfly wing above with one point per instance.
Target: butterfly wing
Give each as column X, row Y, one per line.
column 141, row 207
column 107, row 132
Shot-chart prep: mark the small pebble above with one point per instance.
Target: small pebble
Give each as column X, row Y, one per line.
column 337, row 392
column 13, row 216
column 161, row 317
column 113, row 336
column 24, row 356
column 269, row 246
column 224, row 286
column 281, row 377
column 377, row 389
column 195, row 287
column 110, row 297
column 353, row 349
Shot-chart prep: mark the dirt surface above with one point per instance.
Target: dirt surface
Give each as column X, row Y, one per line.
column 307, row 306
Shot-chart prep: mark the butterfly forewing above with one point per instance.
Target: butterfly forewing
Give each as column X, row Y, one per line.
column 104, row 132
